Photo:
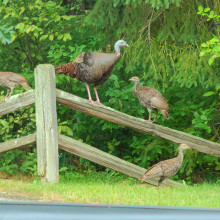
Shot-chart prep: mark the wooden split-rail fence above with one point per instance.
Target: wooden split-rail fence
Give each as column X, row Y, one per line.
column 45, row 96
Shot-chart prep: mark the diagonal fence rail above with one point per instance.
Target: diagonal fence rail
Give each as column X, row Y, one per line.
column 109, row 114
column 88, row 152
column 107, row 160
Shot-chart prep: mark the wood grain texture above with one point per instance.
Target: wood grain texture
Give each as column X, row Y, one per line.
column 18, row 142
column 46, row 122
column 107, row 160
column 141, row 125
column 17, row 102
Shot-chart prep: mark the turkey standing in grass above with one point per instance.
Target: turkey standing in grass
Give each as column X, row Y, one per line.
column 167, row 168
column 10, row 80
column 150, row 98
column 92, row 68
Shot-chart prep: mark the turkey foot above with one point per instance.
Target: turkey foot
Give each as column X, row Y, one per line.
column 97, row 97
column 92, row 102
column 149, row 121
column 99, row 103
column 90, row 97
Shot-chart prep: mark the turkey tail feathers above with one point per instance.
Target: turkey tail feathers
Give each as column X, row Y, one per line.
column 25, row 84
column 165, row 114
column 69, row 69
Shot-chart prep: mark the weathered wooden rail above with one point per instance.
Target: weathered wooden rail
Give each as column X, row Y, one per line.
column 17, row 102
column 86, row 151
column 141, row 125
column 45, row 96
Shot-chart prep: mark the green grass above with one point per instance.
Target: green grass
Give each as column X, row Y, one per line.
column 93, row 190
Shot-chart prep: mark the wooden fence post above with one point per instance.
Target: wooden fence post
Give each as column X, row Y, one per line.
column 46, row 122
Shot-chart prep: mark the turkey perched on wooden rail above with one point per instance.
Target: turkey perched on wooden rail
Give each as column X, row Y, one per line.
column 92, row 68
column 10, row 80
column 150, row 98
column 167, row 168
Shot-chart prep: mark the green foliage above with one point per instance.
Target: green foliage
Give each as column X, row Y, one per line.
column 12, row 126
column 6, row 34
column 35, row 25
column 211, row 46
column 154, row 3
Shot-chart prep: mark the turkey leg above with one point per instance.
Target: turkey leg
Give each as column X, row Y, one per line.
column 97, row 97
column 7, row 95
column 89, row 94
column 149, row 111
column 156, row 112
column 10, row 94
column 8, row 91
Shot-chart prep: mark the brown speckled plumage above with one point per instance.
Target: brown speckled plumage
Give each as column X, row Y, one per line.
column 167, row 168
column 150, row 98
column 10, row 80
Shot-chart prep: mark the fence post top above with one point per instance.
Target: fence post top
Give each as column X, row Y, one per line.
column 44, row 66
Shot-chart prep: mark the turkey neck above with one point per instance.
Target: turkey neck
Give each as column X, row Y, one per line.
column 117, row 50
column 136, row 86
column 180, row 155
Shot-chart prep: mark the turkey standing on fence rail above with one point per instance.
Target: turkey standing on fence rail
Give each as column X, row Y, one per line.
column 10, row 80
column 150, row 98
column 167, row 168
column 92, row 68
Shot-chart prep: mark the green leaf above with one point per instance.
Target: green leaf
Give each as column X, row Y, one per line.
column 66, row 17
column 51, row 37
column 214, row 40
column 217, row 87
column 6, row 34
column 62, row 169
column 67, row 37
column 204, row 45
column 211, row 14
column 211, row 60
column 116, row 2
column 43, row 37
column 4, row 123
column 28, row 30
column 206, row 9
column 203, row 117
column 69, row 131
column 60, row 37
column 59, row 129
column 20, row 26
column 202, row 53
column 209, row 93
column 5, row 2
column 200, row 8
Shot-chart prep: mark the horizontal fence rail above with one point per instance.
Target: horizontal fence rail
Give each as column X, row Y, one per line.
column 18, row 142
column 141, row 125
column 107, row 160
column 17, row 102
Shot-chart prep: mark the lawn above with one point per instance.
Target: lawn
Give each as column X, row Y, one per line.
column 128, row 191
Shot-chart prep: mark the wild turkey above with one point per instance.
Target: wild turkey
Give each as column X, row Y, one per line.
column 167, row 168
column 92, row 68
column 150, row 98
column 10, row 80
